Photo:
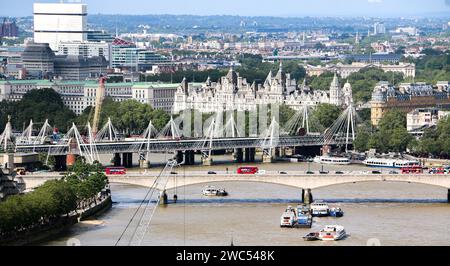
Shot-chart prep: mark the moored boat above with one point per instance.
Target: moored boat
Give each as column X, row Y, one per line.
column 211, row 191
column 311, row 237
column 304, row 217
column 390, row 163
column 336, row 212
column 332, row 233
column 288, row 218
column 332, row 160
column 320, row 209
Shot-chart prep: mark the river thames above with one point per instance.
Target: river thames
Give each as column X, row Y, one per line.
column 376, row 212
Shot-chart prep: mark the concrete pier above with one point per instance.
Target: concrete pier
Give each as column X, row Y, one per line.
column 61, row 163
column 127, row 160
column 250, row 155
column 307, row 196
column 207, row 161
column 117, row 160
column 448, row 195
column 163, row 198
column 189, row 157
column 239, row 155
column 267, row 158
column 179, row 156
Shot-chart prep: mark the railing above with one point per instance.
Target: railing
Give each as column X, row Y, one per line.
column 180, row 145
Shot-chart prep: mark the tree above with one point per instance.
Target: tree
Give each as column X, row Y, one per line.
column 326, row 114
column 38, row 105
column 392, row 134
column 364, row 81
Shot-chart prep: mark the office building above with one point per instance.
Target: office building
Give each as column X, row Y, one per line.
column 375, row 58
column 379, row 29
column 424, row 118
column 407, row 69
column 78, row 95
column 407, row 97
column 38, row 60
column 77, row 67
column 61, row 22
column 126, row 55
column 85, row 49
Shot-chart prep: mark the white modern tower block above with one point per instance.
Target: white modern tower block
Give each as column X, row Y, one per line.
column 62, row 22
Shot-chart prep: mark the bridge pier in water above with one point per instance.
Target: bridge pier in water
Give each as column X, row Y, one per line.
column 163, row 198
column 144, row 162
column 207, row 160
column 61, row 162
column 117, row 160
column 448, row 195
column 239, row 155
column 189, row 157
column 127, row 160
column 307, row 197
column 250, row 155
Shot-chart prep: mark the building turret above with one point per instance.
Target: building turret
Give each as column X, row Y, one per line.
column 336, row 95
column 348, row 94
column 185, row 86
column 281, row 76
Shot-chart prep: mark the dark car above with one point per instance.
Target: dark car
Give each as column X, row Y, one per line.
column 212, row 173
column 339, row 173
column 324, row 173
column 393, row 173
column 173, row 173
column 309, row 173
column 283, row 173
column 376, row 172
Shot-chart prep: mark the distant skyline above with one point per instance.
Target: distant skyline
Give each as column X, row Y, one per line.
column 283, row 8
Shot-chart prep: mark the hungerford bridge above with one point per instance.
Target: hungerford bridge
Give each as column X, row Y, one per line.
column 218, row 134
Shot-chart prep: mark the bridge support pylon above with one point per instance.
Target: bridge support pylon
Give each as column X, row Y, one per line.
column 239, row 155
column 448, row 195
column 267, row 158
column 117, row 160
column 144, row 162
column 207, row 161
column 179, row 156
column 307, row 196
column 250, row 155
column 60, row 163
column 127, row 160
column 163, row 198
column 189, row 157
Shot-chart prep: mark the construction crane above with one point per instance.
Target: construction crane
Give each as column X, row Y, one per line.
column 100, row 96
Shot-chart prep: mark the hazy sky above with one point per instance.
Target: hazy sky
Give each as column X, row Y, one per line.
column 247, row 7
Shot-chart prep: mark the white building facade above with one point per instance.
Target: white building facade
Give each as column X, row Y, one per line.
column 61, row 22
column 233, row 92
column 85, row 49
column 77, row 96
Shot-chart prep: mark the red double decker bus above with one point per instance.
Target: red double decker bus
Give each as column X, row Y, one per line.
column 116, row 171
column 247, row 170
column 437, row 171
column 412, row 170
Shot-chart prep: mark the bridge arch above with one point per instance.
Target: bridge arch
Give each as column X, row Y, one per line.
column 300, row 182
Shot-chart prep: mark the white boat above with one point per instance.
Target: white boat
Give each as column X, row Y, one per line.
column 211, row 191
column 332, row 160
column 332, row 233
column 390, row 163
column 289, row 217
column 320, row 209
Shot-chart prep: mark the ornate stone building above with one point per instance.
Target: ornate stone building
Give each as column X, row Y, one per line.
column 233, row 92
column 407, row 97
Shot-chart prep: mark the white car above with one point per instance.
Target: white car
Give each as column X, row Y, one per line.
column 261, row 172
